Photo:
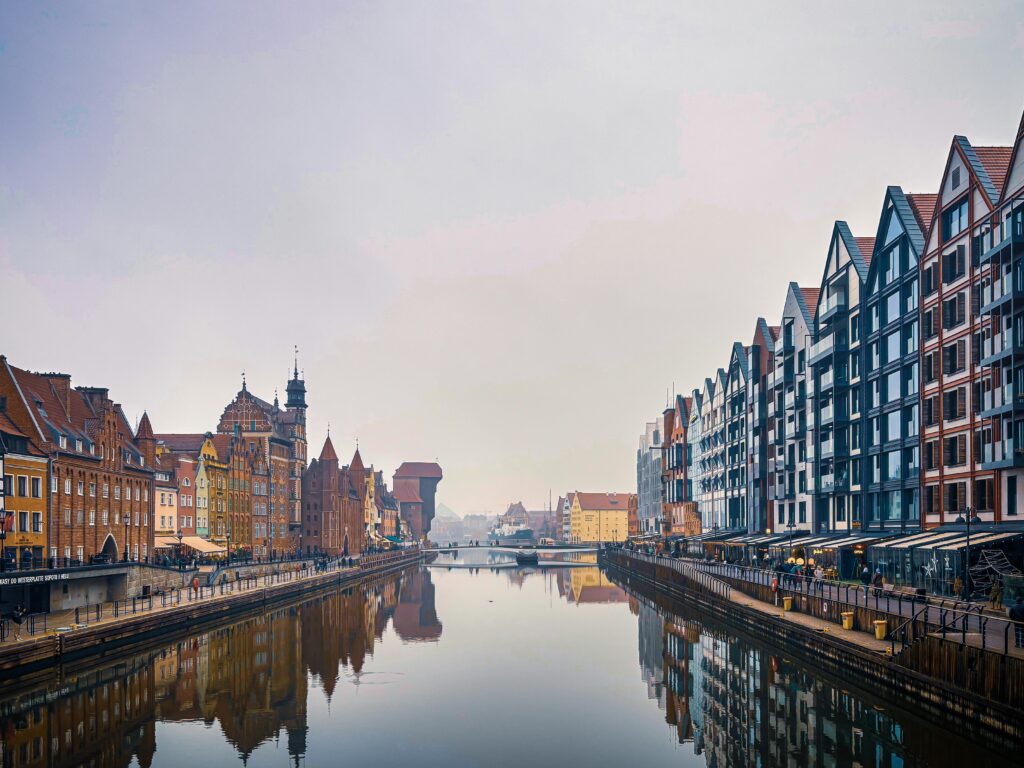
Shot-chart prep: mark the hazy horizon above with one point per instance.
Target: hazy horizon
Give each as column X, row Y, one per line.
column 494, row 231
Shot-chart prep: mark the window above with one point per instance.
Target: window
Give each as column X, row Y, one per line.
column 854, row 329
column 106, row 491
column 105, row 517
column 953, row 264
column 67, row 516
column 92, row 517
column 117, row 492
column 37, row 487
column 954, row 357
column 53, row 485
column 892, row 307
column 954, row 219
column 67, row 486
column 22, row 485
column 892, row 347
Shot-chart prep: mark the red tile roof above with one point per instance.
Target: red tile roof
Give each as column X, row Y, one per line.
column 407, row 490
column 145, row 429
column 811, row 299
column 996, row 161
column 923, row 206
column 603, row 501
column 8, row 428
column 866, row 245
column 775, row 331
column 327, row 452
column 419, row 469
column 182, row 442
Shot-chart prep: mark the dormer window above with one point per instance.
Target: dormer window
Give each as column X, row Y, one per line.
column 78, row 445
column 62, row 440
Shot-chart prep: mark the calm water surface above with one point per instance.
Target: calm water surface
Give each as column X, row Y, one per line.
column 462, row 667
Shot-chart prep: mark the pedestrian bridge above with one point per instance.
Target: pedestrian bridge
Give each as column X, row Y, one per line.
column 548, row 557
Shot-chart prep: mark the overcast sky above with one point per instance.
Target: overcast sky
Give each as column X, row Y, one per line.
column 498, row 232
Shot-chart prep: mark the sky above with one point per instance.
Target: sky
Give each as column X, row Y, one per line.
column 498, row 233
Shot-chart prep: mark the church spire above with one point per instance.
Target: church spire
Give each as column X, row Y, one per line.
column 296, row 387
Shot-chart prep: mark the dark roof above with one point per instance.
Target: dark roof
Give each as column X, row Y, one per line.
column 145, row 429
column 427, row 469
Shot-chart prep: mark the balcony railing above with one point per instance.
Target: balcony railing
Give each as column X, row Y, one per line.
column 827, row 447
column 1000, row 452
column 1010, row 229
column 833, row 303
column 998, row 345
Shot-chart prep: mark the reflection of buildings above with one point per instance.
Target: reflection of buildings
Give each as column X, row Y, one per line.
column 588, row 585
column 415, row 616
column 251, row 678
column 741, row 705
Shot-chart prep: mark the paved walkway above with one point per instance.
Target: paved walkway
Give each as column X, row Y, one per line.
column 105, row 613
column 976, row 627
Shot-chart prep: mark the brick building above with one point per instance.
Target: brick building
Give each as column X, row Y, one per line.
column 101, row 491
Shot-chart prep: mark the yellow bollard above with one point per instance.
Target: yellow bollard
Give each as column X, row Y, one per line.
column 881, row 626
column 787, row 603
column 847, row 619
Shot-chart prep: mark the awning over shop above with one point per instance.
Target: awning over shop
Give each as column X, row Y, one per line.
column 849, row 541
column 202, row 545
column 919, row 539
column 393, row 539
column 979, row 539
column 164, row 542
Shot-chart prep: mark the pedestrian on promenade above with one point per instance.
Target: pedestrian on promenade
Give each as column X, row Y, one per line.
column 819, row 575
column 1017, row 616
column 958, row 587
column 995, row 597
column 877, row 582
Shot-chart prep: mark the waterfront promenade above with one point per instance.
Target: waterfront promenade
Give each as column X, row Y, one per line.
column 958, row 621
column 84, row 630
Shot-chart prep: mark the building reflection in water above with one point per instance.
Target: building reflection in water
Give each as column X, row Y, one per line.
column 250, row 679
column 738, row 704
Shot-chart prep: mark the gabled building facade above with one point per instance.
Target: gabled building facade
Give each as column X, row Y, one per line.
column 1000, row 241
column 890, row 367
column 761, row 360
column 790, row 464
column 735, row 433
column 960, row 345
column 650, row 484
column 835, row 384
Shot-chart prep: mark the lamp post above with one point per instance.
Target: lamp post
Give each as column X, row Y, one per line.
column 229, row 545
column 3, row 539
column 791, row 527
column 127, row 522
column 968, row 516
column 181, row 562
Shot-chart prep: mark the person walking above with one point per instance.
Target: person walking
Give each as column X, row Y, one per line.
column 995, row 597
column 1017, row 617
column 877, row 582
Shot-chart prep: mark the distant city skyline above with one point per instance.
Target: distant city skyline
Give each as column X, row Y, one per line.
column 489, row 229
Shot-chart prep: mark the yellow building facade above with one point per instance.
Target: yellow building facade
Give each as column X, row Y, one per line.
column 599, row 517
column 26, row 499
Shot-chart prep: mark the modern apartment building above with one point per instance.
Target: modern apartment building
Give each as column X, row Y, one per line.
column 712, row 454
column 694, row 455
column 760, row 361
column 1001, row 245
column 836, row 389
column 735, row 416
column 890, row 366
column 959, row 345
column 789, row 464
column 650, row 510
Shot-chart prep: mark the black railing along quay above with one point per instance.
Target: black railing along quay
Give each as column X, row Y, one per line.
column 955, row 620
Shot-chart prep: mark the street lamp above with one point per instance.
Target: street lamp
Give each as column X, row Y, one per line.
column 229, row 545
column 181, row 562
column 791, row 527
column 968, row 516
column 127, row 522
column 3, row 539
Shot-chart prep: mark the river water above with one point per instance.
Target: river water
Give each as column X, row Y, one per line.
column 463, row 667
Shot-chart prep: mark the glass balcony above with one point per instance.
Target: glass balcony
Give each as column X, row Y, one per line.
column 1001, row 454
column 833, row 304
column 1009, row 231
column 827, row 448
column 827, row 413
column 823, row 348
column 999, row 346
